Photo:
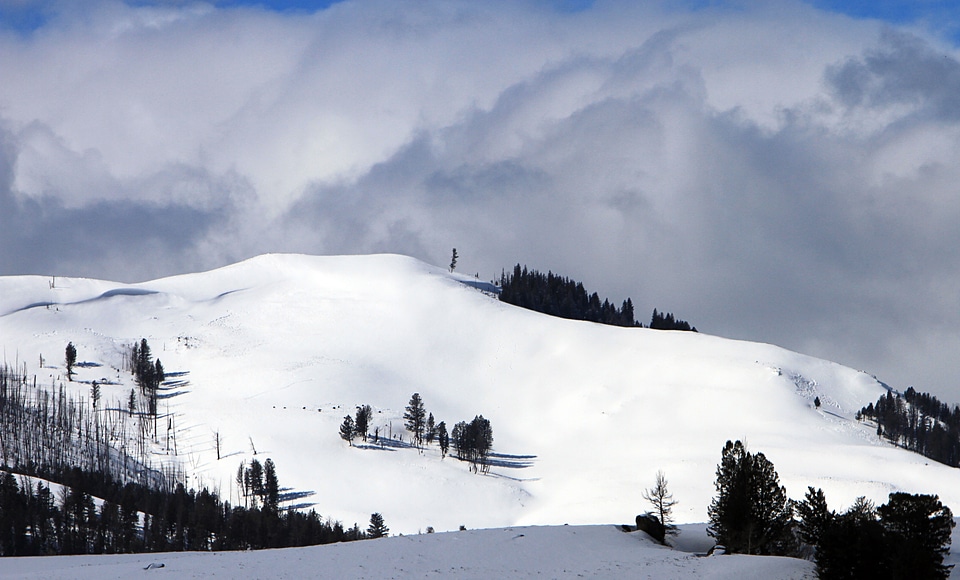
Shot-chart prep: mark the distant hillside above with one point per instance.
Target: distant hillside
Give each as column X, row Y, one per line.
column 269, row 355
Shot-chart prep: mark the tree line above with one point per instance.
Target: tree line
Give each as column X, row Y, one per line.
column 905, row 538
column 472, row 441
column 135, row 518
column 563, row 297
column 918, row 422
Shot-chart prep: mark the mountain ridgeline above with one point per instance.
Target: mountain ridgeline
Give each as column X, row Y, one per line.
column 560, row 296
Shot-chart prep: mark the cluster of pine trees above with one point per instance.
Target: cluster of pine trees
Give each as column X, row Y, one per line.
column 666, row 321
column 905, row 538
column 136, row 518
column 258, row 485
column 919, row 422
column 149, row 374
column 560, row 296
column 472, row 441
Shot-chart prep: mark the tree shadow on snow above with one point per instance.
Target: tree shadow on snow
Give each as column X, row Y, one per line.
column 294, row 495
column 373, row 446
column 510, row 461
column 288, row 496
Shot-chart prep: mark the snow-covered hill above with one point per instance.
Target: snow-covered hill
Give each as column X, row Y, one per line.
column 520, row 552
column 275, row 351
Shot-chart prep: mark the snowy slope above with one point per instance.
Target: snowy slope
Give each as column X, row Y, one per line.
column 277, row 349
column 521, row 552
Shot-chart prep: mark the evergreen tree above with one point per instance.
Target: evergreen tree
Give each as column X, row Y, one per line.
column 271, row 487
column 362, row 423
column 430, row 431
column 918, row 529
column 751, row 513
column 377, row 529
column 453, row 260
column 158, row 374
column 443, row 439
column 255, row 479
column 853, row 545
column 95, row 393
column 347, row 431
column 456, row 435
column 662, row 501
column 814, row 516
column 415, row 418
column 143, row 371
column 134, row 361
column 71, row 359
column 483, row 441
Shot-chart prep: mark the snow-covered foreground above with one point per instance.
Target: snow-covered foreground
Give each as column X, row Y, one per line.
column 276, row 350
column 519, row 552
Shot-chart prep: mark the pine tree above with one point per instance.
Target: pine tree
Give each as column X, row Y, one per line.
column 144, row 367
column 751, row 513
column 662, row 501
column 457, row 436
column 95, row 393
column 453, row 260
column 853, row 545
column 347, row 430
column 482, row 441
column 362, row 423
column 71, row 359
column 430, row 431
column 377, row 529
column 271, row 487
column 415, row 418
column 443, row 439
column 134, row 358
column 814, row 516
column 158, row 374
column 918, row 529
column 255, row 478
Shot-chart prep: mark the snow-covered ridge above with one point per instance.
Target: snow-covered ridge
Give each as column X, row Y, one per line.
column 280, row 347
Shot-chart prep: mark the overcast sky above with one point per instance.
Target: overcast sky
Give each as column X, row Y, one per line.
column 780, row 172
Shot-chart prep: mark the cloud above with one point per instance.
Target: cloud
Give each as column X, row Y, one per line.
column 772, row 173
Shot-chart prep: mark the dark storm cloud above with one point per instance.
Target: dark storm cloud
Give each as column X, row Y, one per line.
column 123, row 239
column 903, row 70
